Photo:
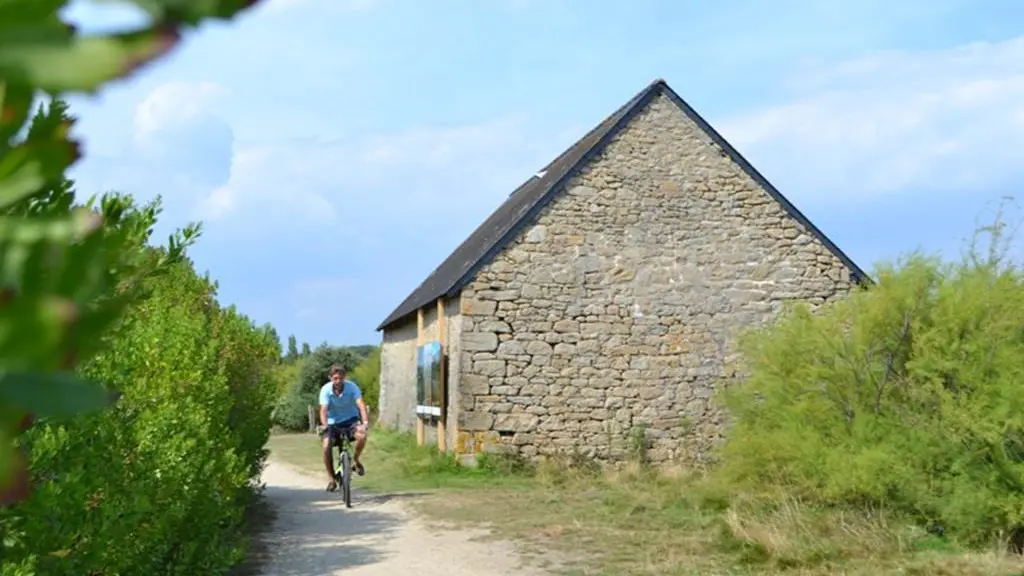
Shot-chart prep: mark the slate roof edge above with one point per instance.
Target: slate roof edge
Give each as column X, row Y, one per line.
column 637, row 103
column 628, row 112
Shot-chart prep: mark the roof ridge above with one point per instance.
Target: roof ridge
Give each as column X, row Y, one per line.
column 492, row 235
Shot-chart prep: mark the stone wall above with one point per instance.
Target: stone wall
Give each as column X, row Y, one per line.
column 619, row 306
column 398, row 377
column 398, row 369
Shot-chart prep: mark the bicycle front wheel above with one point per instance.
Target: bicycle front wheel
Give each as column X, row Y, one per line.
column 346, row 478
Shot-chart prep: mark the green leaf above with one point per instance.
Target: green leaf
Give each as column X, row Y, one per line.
column 15, row 103
column 20, row 178
column 57, row 394
column 18, row 13
column 60, row 62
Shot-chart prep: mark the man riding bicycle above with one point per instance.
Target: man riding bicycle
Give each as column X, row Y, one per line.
column 342, row 414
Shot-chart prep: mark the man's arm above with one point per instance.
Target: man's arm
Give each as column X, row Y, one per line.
column 362, row 412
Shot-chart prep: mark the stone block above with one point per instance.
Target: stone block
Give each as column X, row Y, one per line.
column 489, row 367
column 587, row 264
column 566, row 326
column 474, row 384
column 474, row 307
column 480, row 341
column 496, row 326
column 511, row 349
column 473, row 420
column 536, row 235
column 531, row 291
column 538, row 348
column 563, row 349
column 498, row 295
column 515, row 422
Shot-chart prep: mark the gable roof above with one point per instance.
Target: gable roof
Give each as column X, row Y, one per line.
column 503, row 226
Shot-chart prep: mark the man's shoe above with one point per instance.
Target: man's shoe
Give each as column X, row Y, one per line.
column 358, row 466
column 333, row 486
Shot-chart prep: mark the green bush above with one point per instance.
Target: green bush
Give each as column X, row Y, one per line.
column 906, row 395
column 159, row 484
column 292, row 409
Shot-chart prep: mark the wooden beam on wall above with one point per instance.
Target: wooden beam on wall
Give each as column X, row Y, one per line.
column 419, row 342
column 442, row 438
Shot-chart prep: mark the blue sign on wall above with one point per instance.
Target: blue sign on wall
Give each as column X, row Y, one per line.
column 428, row 379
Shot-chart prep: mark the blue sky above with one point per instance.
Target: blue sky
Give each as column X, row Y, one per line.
column 338, row 150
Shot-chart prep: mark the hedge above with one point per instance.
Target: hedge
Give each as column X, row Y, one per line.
column 158, row 484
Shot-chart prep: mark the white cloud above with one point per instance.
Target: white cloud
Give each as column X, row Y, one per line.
column 278, row 183
column 895, row 122
column 886, row 124
column 176, row 129
column 406, row 181
column 173, row 103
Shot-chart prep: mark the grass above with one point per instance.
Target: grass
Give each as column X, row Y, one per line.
column 637, row 522
column 395, row 464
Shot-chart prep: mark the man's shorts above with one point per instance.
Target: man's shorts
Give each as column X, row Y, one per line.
column 345, row 428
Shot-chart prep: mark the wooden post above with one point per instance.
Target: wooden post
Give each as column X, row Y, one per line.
column 419, row 342
column 311, row 413
column 442, row 439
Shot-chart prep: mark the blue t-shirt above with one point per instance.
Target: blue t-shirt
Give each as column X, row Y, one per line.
column 340, row 407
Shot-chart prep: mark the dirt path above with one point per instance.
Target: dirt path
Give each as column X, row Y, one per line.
column 314, row 535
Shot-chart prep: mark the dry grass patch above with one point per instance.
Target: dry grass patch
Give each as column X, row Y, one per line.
column 632, row 521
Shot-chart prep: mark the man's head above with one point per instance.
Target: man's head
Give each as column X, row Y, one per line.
column 337, row 374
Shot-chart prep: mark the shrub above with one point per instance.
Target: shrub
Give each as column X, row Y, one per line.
column 906, row 395
column 292, row 409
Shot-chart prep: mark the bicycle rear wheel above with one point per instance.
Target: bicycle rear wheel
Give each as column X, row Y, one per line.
column 346, row 478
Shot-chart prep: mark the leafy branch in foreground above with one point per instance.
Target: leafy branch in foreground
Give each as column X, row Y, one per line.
column 67, row 271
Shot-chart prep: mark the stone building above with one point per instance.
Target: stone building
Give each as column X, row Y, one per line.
column 604, row 295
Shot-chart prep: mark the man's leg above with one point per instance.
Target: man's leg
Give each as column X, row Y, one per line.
column 329, row 458
column 360, row 442
column 359, row 438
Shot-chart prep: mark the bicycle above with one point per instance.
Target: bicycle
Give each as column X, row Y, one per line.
column 342, row 465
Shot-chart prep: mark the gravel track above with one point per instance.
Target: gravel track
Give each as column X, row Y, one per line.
column 312, row 534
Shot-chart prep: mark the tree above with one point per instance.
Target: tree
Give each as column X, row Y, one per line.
column 293, row 349
column 305, row 350
column 315, row 368
column 361, row 351
column 271, row 335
